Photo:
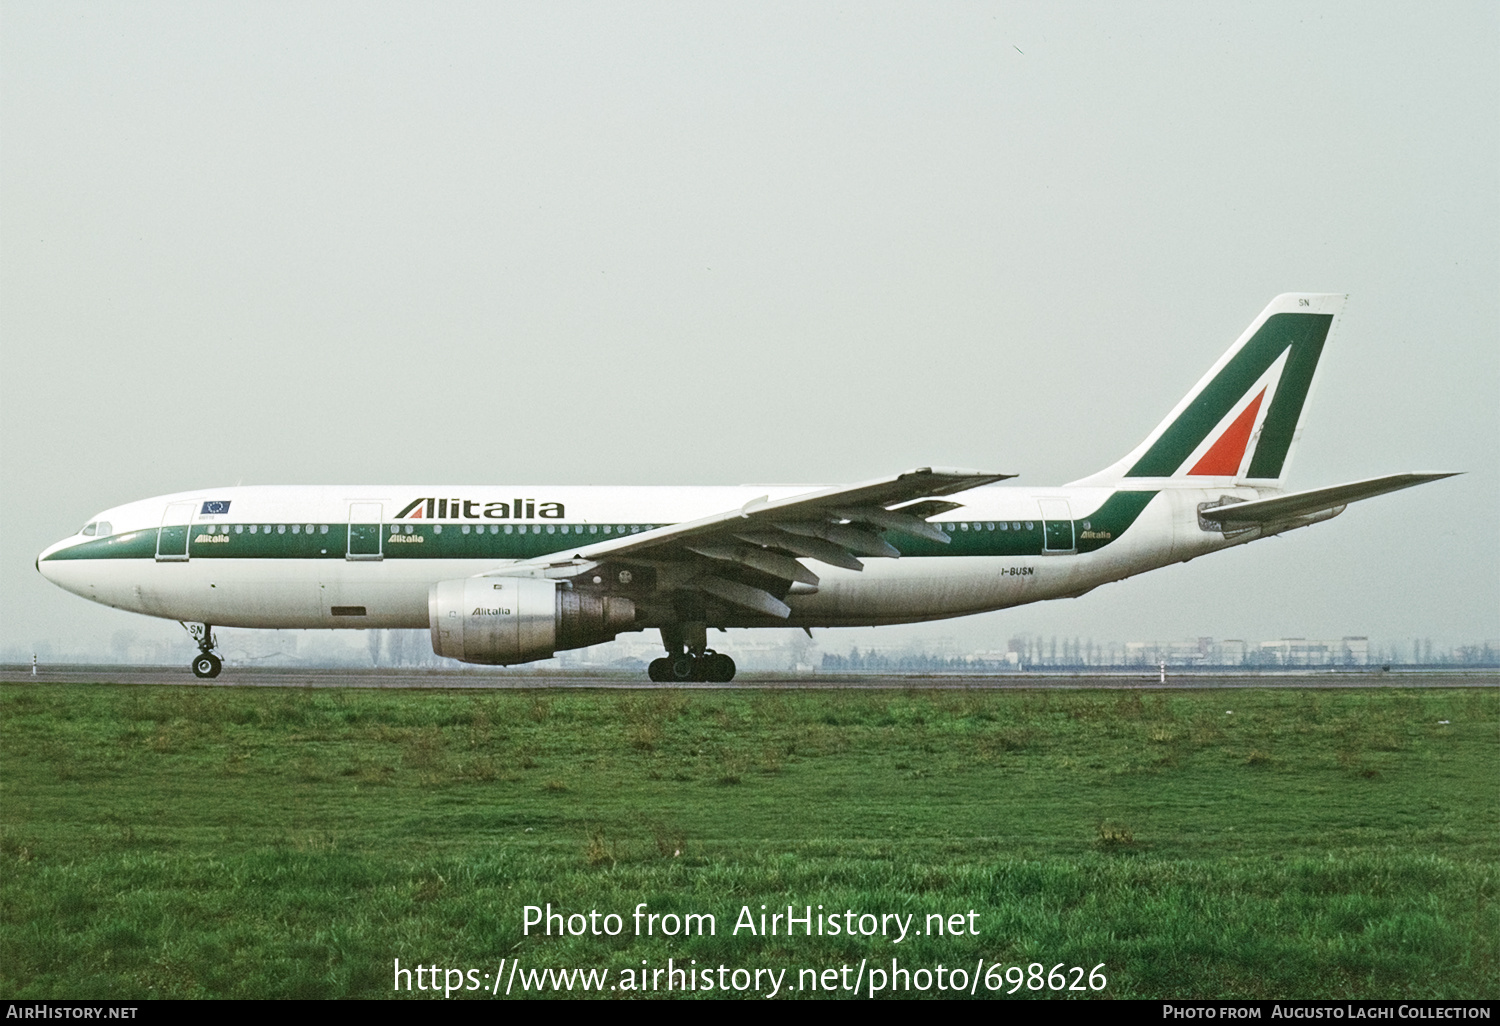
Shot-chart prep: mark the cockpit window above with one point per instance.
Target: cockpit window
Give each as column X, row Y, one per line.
column 105, row 529
column 89, row 530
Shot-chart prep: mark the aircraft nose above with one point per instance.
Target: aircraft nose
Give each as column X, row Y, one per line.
column 46, row 571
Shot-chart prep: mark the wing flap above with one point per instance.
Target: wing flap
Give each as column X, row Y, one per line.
column 927, row 508
column 756, row 558
column 898, row 521
column 743, row 595
column 812, row 548
column 854, row 540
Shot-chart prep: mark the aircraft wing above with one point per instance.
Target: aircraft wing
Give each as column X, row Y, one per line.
column 750, row 557
column 1282, row 508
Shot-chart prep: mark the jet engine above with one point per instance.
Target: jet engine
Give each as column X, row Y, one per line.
column 503, row 620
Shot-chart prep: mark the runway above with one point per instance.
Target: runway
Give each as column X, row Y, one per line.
column 1135, row 678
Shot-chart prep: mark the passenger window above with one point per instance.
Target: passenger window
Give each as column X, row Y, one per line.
column 323, row 529
column 252, row 529
column 1015, row 525
column 281, row 529
column 437, row 528
column 608, row 529
column 536, row 528
column 296, row 528
column 1030, row 525
column 551, row 529
column 507, row 529
column 1004, row 526
column 407, row 528
column 949, row 528
column 593, row 529
column 1087, row 525
column 963, row 527
column 464, row 529
column 240, row 529
column 989, row 527
column 395, row 528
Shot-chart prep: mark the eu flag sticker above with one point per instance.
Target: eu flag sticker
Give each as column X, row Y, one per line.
column 213, row 506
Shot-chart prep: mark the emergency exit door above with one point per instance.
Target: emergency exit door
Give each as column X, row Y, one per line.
column 365, row 537
column 172, row 536
column 1057, row 527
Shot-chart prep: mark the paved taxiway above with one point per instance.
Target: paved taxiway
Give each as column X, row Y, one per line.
column 247, row 676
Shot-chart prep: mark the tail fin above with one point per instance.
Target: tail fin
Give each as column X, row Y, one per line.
column 1241, row 422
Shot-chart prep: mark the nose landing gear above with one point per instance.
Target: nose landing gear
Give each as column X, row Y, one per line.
column 206, row 665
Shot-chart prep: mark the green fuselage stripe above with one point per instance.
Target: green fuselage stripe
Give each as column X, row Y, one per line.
column 529, row 541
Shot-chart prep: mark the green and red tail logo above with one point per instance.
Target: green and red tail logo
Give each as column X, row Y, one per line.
column 1241, row 420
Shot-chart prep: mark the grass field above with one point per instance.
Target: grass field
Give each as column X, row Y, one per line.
column 224, row 842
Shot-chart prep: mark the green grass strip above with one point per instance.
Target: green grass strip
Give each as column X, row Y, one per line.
column 227, row 842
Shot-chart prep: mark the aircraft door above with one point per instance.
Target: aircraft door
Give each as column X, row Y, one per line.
column 365, row 526
column 172, row 536
column 1057, row 527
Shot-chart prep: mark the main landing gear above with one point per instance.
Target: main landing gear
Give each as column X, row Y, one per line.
column 206, row 665
column 712, row 666
column 689, row 658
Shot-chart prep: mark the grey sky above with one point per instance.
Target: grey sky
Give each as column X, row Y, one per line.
column 674, row 243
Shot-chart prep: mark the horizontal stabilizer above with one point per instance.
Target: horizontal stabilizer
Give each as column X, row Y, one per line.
column 1319, row 500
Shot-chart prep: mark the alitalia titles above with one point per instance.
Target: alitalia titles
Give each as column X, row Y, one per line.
column 430, row 508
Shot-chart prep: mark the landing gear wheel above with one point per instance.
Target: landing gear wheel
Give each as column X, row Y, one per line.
column 660, row 670
column 207, row 665
column 718, row 668
column 684, row 667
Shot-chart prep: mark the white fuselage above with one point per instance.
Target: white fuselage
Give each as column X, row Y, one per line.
column 288, row 557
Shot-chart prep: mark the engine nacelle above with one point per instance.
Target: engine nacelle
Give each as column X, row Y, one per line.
column 504, row 620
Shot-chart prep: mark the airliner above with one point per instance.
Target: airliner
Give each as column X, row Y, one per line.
column 509, row 574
